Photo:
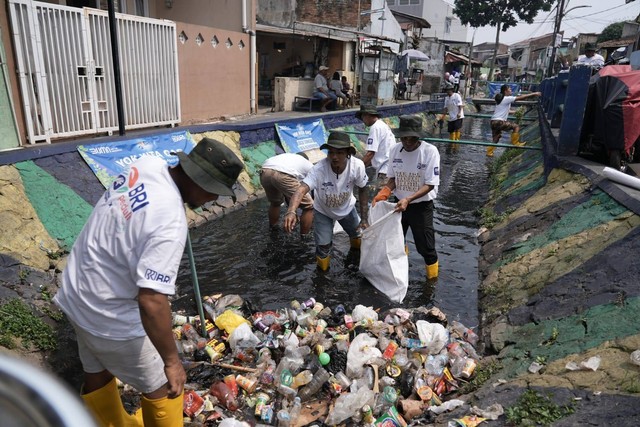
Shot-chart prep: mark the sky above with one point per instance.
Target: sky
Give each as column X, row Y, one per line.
column 592, row 19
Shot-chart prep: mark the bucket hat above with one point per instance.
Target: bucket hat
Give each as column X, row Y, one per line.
column 339, row 140
column 368, row 109
column 410, row 126
column 448, row 86
column 212, row 166
column 590, row 46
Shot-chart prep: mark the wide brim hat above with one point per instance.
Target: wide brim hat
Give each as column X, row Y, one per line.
column 590, row 46
column 368, row 109
column 410, row 126
column 339, row 140
column 212, row 166
column 448, row 86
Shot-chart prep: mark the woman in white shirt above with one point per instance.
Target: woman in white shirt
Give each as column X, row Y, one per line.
column 499, row 120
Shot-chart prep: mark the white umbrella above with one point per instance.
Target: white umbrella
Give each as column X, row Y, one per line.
column 416, row 55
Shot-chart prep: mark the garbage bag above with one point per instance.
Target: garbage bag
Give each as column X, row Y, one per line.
column 383, row 261
column 361, row 351
column 434, row 334
column 243, row 337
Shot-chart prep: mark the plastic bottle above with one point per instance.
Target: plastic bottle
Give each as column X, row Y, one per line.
column 303, row 378
column 464, row 333
column 284, row 418
column 230, row 381
column 190, row 332
column 385, row 400
column 319, row 378
column 224, row 395
column 435, row 364
column 292, row 360
column 294, row 412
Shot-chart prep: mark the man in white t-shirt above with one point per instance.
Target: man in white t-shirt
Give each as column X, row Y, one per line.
column 321, row 88
column 590, row 57
column 454, row 107
column 499, row 120
column 379, row 141
column 333, row 180
column 120, row 273
column 414, row 176
column 280, row 177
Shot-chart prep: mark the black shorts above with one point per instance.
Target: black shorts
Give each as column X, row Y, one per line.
column 454, row 125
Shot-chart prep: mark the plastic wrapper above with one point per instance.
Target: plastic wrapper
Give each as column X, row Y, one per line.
column 361, row 351
column 391, row 418
column 229, row 321
column 348, row 404
column 434, row 335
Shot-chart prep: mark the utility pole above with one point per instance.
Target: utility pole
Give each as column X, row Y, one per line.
column 556, row 30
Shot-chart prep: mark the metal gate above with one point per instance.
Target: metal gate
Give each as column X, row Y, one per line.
column 65, row 67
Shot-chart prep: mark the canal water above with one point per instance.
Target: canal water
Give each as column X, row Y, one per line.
column 238, row 254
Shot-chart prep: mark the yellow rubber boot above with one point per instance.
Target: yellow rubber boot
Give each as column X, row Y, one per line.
column 406, row 249
column 355, row 242
column 452, row 136
column 458, row 133
column 106, row 406
column 490, row 150
column 432, row 271
column 515, row 139
column 163, row 412
column 323, row 263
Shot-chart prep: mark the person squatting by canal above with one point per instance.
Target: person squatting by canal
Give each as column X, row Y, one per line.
column 379, row 141
column 333, row 180
column 453, row 106
column 120, row 272
column 499, row 120
column 414, row 177
column 280, row 177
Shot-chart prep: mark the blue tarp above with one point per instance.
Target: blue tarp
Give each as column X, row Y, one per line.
column 494, row 87
column 301, row 136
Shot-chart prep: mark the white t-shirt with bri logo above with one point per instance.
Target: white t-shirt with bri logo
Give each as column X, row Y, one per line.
column 134, row 238
column 414, row 169
column 333, row 194
column 380, row 141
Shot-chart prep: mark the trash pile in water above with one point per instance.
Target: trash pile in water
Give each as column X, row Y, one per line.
column 308, row 364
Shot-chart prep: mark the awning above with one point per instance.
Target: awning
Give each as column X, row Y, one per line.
column 451, row 57
column 617, row 43
column 320, row 30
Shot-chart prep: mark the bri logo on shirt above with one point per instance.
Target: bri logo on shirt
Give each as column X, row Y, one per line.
column 369, row 141
column 327, row 184
column 436, row 171
column 137, row 195
column 156, row 277
column 422, row 166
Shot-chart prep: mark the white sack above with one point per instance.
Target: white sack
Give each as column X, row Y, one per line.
column 383, row 261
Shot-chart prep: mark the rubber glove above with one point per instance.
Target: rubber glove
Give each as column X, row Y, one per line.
column 382, row 195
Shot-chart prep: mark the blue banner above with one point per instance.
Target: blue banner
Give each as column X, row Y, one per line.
column 301, row 136
column 494, row 87
column 110, row 159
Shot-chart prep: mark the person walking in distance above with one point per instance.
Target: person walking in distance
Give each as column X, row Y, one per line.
column 454, row 107
column 119, row 276
column 499, row 121
column 280, row 177
column 414, row 177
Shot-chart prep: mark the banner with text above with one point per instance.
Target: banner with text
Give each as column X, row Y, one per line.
column 301, row 136
column 110, row 159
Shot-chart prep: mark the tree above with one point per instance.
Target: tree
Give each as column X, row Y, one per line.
column 503, row 14
column 611, row 32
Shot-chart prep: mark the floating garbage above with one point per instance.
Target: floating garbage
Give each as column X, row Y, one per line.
column 307, row 364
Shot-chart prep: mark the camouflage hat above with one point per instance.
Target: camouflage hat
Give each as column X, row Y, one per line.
column 339, row 140
column 212, row 166
column 410, row 126
column 448, row 86
column 368, row 109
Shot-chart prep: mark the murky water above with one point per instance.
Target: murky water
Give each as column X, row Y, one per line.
column 238, row 254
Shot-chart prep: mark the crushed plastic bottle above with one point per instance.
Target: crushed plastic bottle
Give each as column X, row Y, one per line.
column 319, row 378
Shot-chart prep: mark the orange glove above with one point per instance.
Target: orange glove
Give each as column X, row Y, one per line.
column 382, row 195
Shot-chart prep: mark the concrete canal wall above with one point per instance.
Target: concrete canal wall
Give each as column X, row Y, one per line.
column 558, row 260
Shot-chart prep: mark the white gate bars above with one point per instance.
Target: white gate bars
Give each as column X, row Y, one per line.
column 66, row 77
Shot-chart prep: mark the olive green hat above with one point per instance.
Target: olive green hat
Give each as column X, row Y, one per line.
column 368, row 109
column 339, row 140
column 410, row 126
column 212, row 166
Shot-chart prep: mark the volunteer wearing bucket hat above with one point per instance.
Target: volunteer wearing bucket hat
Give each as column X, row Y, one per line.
column 379, row 141
column 120, row 272
column 414, row 176
column 333, row 180
column 590, row 57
